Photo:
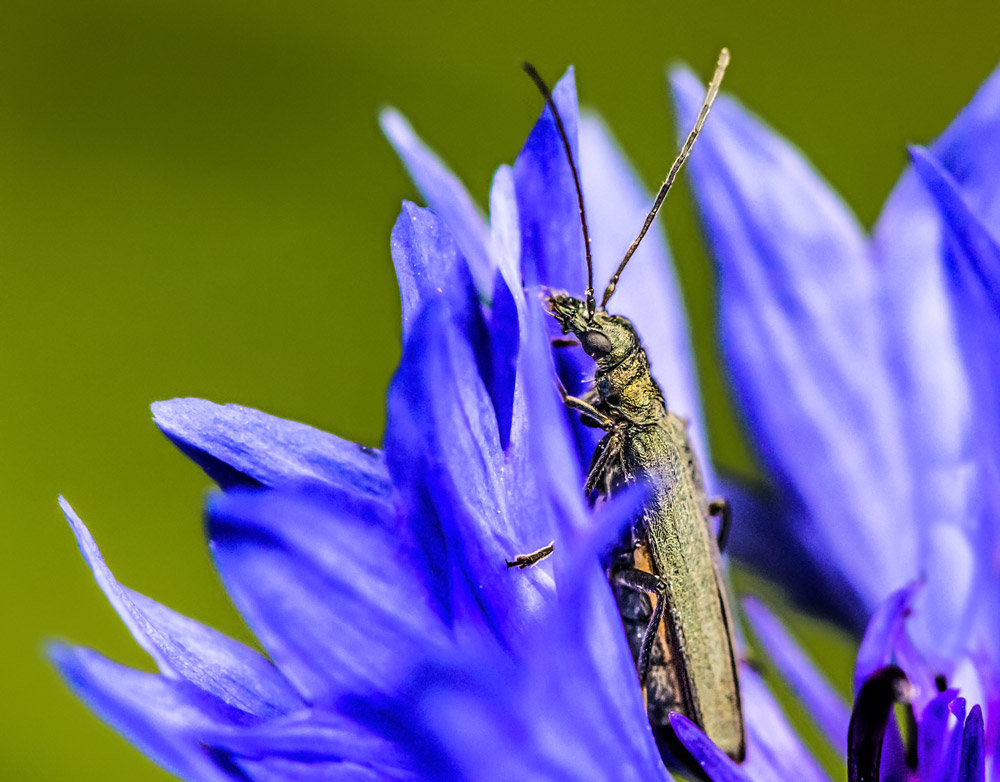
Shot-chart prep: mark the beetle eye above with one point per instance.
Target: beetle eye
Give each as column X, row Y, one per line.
column 595, row 344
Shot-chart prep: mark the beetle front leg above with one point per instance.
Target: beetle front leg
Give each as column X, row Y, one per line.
column 521, row 561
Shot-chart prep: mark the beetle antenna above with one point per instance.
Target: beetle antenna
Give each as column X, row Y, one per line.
column 547, row 94
column 713, row 90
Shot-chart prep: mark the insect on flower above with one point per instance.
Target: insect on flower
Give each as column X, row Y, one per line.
column 666, row 570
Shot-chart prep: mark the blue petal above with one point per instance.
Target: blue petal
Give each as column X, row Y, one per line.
column 970, row 150
column 184, row 648
column 825, row 706
column 648, row 294
column 239, row 446
column 973, row 766
column 893, row 766
column 165, row 719
column 314, row 746
column 270, row 769
column 773, row 749
column 467, row 514
column 327, row 584
column 551, row 237
column 953, row 750
column 552, row 252
column 558, row 727
column 936, row 724
column 590, row 625
column 542, row 452
column 277, row 769
column 716, row 764
column 319, row 733
column 959, row 529
column 886, row 642
column 760, row 539
column 979, row 247
column 884, row 629
column 428, row 263
column 508, row 299
column 803, row 337
column 444, row 194
column 919, row 242
column 563, row 704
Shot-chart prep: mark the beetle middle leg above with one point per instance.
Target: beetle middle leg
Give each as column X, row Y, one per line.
column 643, row 581
column 595, row 416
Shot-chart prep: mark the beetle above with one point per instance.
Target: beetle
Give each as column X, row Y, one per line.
column 666, row 571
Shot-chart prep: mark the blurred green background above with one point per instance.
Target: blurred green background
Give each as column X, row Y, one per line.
column 195, row 200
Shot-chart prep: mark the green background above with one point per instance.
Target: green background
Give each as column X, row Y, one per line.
column 195, row 200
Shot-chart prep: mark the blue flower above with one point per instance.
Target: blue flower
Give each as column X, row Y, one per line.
column 866, row 369
column 398, row 644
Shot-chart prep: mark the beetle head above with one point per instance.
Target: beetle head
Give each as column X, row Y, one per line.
column 608, row 339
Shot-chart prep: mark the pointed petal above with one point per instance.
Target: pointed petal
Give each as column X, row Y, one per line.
column 970, row 148
column 239, row 446
column 428, row 263
column 163, row 718
column 935, row 726
column 551, row 237
column 443, row 451
column 825, row 706
column 648, row 294
column 327, row 585
column 552, row 252
column 508, row 299
column 935, row 260
column 804, row 341
column 979, row 247
column 886, row 625
column 952, row 757
column 973, row 766
column 716, row 764
column 774, row 751
column 445, row 195
column 958, row 482
column 184, row 648
column 886, row 643
column 544, row 457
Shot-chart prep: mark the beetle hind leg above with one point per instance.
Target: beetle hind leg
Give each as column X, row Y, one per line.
column 721, row 509
column 641, row 581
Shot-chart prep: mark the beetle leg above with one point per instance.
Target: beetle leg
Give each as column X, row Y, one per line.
column 521, row 561
column 721, row 508
column 602, row 466
column 588, row 410
column 641, row 581
column 565, row 342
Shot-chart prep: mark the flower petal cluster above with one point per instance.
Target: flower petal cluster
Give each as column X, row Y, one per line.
column 866, row 368
column 399, row 646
